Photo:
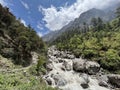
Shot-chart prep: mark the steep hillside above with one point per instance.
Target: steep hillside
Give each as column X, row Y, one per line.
column 20, row 46
column 17, row 41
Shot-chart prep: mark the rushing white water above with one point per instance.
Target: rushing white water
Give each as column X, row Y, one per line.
column 68, row 79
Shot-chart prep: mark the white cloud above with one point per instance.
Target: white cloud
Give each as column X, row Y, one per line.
column 25, row 5
column 23, row 21
column 40, row 26
column 40, row 34
column 40, row 8
column 3, row 2
column 55, row 19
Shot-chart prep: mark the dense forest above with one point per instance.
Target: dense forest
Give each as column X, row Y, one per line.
column 99, row 41
column 16, row 40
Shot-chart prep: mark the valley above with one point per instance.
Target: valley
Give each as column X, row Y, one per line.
column 83, row 55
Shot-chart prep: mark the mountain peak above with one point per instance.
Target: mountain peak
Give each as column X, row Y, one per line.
column 78, row 22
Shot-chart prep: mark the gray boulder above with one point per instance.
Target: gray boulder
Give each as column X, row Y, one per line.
column 114, row 80
column 85, row 77
column 85, row 82
column 79, row 65
column 92, row 67
column 84, row 85
column 59, row 80
column 103, row 81
column 67, row 55
column 49, row 80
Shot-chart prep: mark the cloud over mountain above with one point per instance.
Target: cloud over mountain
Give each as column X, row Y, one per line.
column 57, row 17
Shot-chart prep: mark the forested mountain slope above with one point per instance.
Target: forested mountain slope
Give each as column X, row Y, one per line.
column 79, row 22
column 99, row 42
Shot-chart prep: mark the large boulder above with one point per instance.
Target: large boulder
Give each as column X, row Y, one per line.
column 70, row 56
column 59, row 80
column 92, row 67
column 85, row 82
column 85, row 77
column 49, row 81
column 103, row 81
column 67, row 55
column 84, row 85
column 79, row 65
column 114, row 80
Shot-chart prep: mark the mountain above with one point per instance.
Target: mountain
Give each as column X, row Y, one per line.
column 78, row 22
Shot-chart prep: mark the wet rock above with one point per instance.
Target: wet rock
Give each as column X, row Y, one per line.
column 49, row 67
column 53, row 52
column 56, row 78
column 70, row 56
column 85, row 81
column 53, row 59
column 103, row 83
column 63, row 54
column 84, row 85
column 63, row 68
column 61, row 82
column 92, row 67
column 49, row 81
column 114, row 80
column 85, row 77
column 56, row 54
column 60, row 60
column 68, row 65
column 79, row 65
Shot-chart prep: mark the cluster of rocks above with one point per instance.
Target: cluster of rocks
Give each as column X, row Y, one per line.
column 89, row 67
column 69, row 73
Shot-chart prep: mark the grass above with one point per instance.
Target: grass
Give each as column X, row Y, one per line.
column 14, row 77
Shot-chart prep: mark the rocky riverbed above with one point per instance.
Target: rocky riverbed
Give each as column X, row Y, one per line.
column 66, row 72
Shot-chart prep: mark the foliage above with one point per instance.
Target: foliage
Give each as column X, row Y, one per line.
column 16, row 77
column 19, row 81
column 101, row 43
column 16, row 40
column 40, row 64
column 118, row 12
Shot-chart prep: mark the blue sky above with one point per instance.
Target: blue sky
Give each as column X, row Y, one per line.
column 50, row 15
column 28, row 11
